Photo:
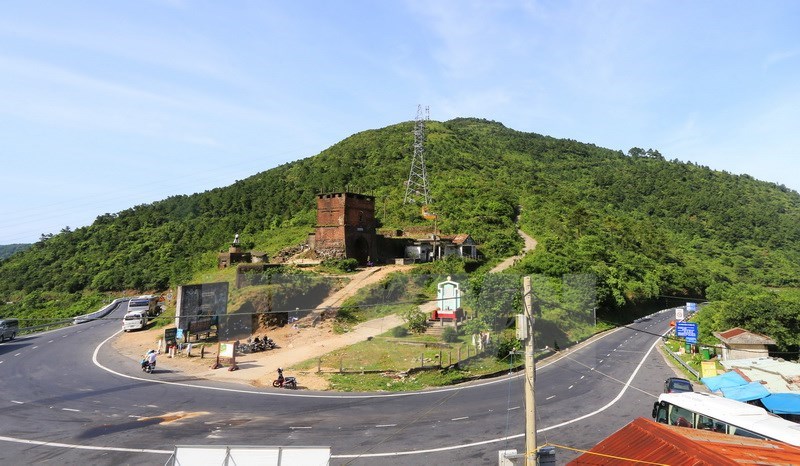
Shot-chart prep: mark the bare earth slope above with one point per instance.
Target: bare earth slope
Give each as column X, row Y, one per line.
column 295, row 344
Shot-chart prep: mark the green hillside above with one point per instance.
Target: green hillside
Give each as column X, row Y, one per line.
column 644, row 225
column 6, row 250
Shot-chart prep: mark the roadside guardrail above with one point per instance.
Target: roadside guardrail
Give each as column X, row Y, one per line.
column 694, row 372
column 104, row 311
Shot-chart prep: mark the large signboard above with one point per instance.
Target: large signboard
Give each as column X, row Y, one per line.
column 687, row 330
column 691, row 307
column 171, row 336
column 200, row 302
column 679, row 313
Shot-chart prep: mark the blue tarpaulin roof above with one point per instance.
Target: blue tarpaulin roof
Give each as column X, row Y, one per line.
column 782, row 403
column 726, row 380
column 748, row 392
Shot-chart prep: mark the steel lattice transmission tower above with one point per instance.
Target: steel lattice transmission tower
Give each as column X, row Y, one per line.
column 417, row 184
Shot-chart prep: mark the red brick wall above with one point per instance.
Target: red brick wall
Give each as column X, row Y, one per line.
column 340, row 218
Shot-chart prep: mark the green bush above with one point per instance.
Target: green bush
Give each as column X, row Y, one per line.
column 348, row 314
column 399, row 332
column 505, row 345
column 343, row 265
column 450, row 334
column 416, row 321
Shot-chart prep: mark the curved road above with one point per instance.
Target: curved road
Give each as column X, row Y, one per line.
column 67, row 397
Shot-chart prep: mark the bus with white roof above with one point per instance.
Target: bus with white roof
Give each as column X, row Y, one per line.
column 719, row 414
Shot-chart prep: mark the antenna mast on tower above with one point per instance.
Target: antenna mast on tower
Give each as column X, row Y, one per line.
column 417, row 184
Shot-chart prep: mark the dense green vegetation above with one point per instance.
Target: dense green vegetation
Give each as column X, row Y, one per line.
column 6, row 250
column 643, row 225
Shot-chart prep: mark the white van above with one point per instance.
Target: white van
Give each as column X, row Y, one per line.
column 134, row 320
column 8, row 329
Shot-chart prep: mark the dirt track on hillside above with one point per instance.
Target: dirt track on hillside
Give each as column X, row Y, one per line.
column 296, row 344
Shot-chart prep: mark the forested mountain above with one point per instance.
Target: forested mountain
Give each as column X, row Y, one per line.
column 643, row 225
column 6, row 250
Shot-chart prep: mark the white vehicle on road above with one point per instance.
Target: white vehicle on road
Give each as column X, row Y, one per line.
column 134, row 320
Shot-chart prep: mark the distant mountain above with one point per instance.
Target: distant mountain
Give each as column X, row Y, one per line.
column 645, row 226
column 6, row 250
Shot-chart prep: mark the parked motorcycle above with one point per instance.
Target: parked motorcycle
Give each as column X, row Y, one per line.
column 284, row 382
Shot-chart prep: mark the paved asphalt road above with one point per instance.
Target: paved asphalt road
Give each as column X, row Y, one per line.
column 67, row 388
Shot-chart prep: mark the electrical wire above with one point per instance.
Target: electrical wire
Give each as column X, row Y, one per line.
column 623, row 458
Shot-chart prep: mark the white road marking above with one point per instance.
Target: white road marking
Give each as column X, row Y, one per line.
column 70, row 409
column 459, row 418
column 18, row 402
column 570, row 387
column 386, row 425
column 550, row 397
column 515, row 407
column 299, row 427
column 83, row 447
column 359, row 455
column 35, row 347
column 50, row 341
column 17, row 354
column 582, row 377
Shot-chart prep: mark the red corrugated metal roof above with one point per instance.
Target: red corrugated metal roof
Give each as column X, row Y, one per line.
column 646, row 441
column 742, row 336
column 732, row 332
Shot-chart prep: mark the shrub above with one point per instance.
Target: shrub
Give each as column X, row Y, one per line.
column 416, row 321
column 399, row 332
column 348, row 314
column 506, row 344
column 450, row 334
column 344, row 265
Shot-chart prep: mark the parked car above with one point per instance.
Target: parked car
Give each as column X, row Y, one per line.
column 677, row 385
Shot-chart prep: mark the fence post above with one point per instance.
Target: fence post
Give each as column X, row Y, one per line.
column 319, row 365
column 341, row 365
column 440, row 359
column 459, row 355
column 422, row 359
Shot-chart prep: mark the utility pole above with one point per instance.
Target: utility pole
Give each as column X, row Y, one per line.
column 530, row 377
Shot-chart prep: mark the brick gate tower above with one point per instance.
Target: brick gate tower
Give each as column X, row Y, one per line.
column 346, row 227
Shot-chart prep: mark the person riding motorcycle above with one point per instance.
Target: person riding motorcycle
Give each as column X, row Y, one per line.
column 150, row 358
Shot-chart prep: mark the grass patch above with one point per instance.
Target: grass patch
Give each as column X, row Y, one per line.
column 382, row 359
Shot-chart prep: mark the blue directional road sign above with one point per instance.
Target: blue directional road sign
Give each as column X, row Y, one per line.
column 687, row 330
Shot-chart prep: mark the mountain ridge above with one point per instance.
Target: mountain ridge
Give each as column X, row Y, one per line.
column 645, row 226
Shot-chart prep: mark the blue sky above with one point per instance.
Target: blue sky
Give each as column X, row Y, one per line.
column 107, row 105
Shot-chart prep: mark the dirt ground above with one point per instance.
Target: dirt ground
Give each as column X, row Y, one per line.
column 295, row 344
